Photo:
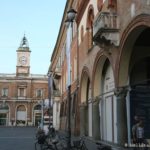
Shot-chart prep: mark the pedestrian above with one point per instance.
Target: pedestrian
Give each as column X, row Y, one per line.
column 134, row 127
column 138, row 133
column 40, row 135
column 46, row 130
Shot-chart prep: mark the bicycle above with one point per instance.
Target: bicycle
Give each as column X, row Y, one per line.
column 101, row 146
column 80, row 144
column 61, row 144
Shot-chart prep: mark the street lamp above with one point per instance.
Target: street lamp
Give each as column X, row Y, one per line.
column 41, row 102
column 50, row 96
column 70, row 18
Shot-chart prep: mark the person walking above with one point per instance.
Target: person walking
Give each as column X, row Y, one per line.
column 138, row 134
column 134, row 128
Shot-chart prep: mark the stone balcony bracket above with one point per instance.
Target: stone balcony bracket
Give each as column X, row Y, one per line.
column 57, row 73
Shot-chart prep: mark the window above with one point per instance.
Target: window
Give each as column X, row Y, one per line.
column 5, row 92
column 74, row 30
column 82, row 33
column 71, row 74
column 100, row 4
column 21, row 92
column 63, row 53
column 89, row 26
column 73, row 104
column 75, row 68
column 39, row 93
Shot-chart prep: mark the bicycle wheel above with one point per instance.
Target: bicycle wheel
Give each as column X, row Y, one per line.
column 84, row 147
column 49, row 148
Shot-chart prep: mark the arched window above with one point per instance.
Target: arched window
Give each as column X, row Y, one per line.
column 37, row 107
column 90, row 19
column 21, row 108
column 99, row 5
column 112, row 5
column 82, row 33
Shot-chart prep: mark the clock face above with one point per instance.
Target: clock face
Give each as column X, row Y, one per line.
column 23, row 60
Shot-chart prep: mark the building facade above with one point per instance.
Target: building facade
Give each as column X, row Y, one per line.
column 109, row 69
column 22, row 94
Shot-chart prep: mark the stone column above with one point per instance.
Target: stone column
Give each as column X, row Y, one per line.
column 121, row 115
column 83, row 119
column 96, row 120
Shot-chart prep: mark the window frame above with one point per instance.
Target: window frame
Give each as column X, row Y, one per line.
column 4, row 91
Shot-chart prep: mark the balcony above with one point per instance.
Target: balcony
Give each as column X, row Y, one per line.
column 106, row 29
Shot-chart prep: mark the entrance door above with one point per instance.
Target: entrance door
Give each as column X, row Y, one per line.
column 37, row 119
column 107, row 104
column 37, row 115
column 3, row 118
column 4, row 115
column 21, row 115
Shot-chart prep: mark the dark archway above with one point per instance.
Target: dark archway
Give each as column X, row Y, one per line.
column 140, row 80
column 37, row 115
column 85, row 120
column 4, row 114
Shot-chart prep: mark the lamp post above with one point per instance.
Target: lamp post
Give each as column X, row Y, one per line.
column 41, row 102
column 49, row 96
column 69, row 21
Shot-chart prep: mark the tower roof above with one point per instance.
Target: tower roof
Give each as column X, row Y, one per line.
column 24, row 46
column 24, row 42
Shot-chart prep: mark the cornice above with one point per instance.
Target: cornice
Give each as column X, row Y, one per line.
column 61, row 32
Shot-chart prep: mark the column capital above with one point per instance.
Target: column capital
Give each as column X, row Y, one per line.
column 121, row 91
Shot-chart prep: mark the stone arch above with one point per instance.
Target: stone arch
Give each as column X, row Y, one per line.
column 21, row 115
column 97, row 71
column 36, row 114
column 84, row 85
column 130, row 34
column 133, row 68
column 103, row 86
column 85, row 112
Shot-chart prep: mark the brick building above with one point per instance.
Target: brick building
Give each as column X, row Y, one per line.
column 110, row 63
column 21, row 93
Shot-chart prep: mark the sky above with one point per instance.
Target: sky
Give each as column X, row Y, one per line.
column 40, row 21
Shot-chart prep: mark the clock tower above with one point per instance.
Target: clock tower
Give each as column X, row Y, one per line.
column 23, row 58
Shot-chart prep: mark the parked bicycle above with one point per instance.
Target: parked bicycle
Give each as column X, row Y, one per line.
column 57, row 144
column 80, row 144
column 61, row 144
column 101, row 146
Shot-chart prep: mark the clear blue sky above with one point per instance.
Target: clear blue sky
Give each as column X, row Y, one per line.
column 40, row 21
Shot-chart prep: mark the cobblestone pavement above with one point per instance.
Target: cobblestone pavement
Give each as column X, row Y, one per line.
column 91, row 144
